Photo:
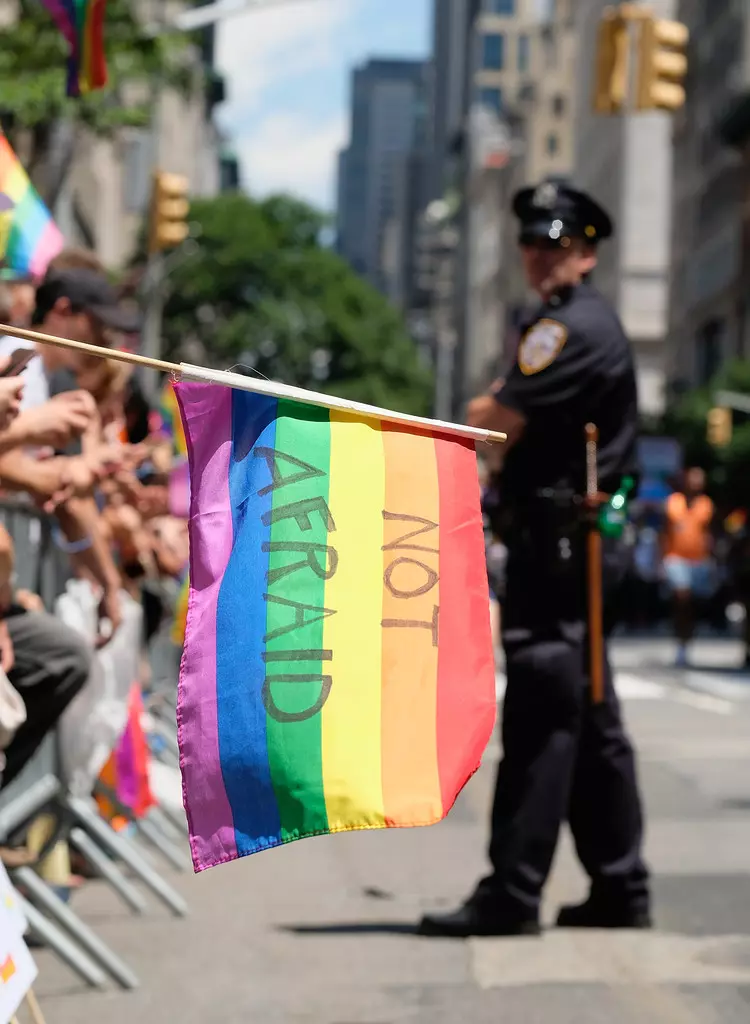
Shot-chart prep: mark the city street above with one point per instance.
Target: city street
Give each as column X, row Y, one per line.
column 321, row 932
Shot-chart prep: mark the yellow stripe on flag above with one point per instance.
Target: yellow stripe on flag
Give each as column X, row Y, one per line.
column 351, row 733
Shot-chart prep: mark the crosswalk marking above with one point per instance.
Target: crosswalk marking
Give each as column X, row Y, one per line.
column 632, row 687
column 628, row 686
column 647, row 960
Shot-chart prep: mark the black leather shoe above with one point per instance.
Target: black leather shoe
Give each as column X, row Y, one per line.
column 469, row 920
column 597, row 915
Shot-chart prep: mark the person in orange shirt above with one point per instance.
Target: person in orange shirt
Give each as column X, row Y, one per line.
column 687, row 548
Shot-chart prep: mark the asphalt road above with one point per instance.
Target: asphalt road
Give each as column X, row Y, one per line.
column 320, row 932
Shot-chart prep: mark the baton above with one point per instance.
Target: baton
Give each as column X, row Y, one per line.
column 596, row 618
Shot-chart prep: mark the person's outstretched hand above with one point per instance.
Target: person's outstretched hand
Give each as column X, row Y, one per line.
column 58, row 421
column 11, row 391
column 65, row 477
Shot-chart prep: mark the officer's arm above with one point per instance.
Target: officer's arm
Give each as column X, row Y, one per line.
column 488, row 413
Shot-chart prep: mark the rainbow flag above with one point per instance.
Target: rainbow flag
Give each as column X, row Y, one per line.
column 82, row 24
column 126, row 771
column 29, row 238
column 338, row 669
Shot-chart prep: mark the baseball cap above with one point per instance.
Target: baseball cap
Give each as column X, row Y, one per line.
column 87, row 291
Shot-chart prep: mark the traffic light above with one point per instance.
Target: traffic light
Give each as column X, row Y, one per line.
column 612, row 63
column 169, row 210
column 662, row 64
column 719, row 427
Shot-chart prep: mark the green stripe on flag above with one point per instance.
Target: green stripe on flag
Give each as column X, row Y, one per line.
column 294, row 619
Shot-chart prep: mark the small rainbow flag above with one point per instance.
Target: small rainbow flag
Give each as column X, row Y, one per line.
column 338, row 669
column 29, row 238
column 171, row 422
column 82, row 24
column 126, row 773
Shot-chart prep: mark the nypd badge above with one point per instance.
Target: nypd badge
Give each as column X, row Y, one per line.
column 540, row 346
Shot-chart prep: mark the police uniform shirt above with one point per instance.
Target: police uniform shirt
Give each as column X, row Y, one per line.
column 574, row 366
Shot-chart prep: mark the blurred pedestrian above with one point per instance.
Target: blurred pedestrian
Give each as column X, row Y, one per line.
column 44, row 660
column 17, row 292
column 687, row 549
column 562, row 756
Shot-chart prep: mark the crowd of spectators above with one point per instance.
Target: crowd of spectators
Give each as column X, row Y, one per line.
column 81, row 445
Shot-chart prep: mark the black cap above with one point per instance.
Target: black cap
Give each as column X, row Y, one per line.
column 87, row 291
column 554, row 211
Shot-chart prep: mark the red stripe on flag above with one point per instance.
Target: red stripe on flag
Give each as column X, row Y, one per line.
column 97, row 72
column 466, row 705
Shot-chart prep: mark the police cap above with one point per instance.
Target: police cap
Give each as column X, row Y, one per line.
column 555, row 211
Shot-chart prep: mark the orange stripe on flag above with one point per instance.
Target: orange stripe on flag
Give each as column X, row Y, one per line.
column 411, row 599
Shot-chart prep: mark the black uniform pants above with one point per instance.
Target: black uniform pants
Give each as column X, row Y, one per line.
column 564, row 758
column 52, row 663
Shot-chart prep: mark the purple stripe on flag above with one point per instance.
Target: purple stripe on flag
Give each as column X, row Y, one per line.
column 127, row 773
column 207, row 414
column 62, row 19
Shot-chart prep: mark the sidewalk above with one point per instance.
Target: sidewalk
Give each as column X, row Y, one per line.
column 319, row 932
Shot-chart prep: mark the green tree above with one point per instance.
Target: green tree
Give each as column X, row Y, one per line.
column 728, row 468
column 40, row 120
column 261, row 291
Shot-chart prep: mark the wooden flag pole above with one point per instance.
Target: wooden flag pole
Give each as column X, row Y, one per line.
column 594, row 560
column 261, row 387
column 90, row 350
column 34, row 1008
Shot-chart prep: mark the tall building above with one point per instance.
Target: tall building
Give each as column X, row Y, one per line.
column 544, row 118
column 388, row 123
column 625, row 162
column 547, row 101
column 399, row 254
column 451, row 88
column 504, row 52
column 710, row 306
column 502, row 110
column 521, row 127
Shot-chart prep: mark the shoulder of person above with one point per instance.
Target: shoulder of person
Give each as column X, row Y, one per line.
column 582, row 330
column 593, row 317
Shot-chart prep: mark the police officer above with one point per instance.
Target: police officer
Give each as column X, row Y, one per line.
column 564, row 757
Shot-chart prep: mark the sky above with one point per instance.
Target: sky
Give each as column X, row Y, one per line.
column 288, row 81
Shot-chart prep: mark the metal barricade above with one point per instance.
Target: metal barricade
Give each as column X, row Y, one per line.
column 38, row 570
column 43, row 568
